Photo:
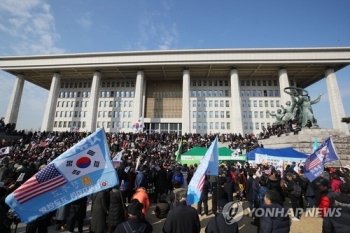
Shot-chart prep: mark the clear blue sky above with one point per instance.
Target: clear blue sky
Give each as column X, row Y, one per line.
column 81, row 26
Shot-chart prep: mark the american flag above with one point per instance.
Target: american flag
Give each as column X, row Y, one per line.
column 310, row 164
column 320, row 154
column 44, row 181
column 201, row 183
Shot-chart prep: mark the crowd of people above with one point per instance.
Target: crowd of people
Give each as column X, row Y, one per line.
column 162, row 180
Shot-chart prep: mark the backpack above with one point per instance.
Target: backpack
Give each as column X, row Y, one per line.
column 128, row 229
column 296, row 190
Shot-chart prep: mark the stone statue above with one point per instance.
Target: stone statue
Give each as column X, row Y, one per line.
column 288, row 111
column 303, row 104
column 279, row 116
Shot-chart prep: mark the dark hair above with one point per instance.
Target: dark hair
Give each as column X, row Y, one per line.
column 262, row 183
column 334, row 176
column 222, row 180
column 176, row 184
column 273, row 196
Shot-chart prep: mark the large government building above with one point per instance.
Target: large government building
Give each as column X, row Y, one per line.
column 183, row 91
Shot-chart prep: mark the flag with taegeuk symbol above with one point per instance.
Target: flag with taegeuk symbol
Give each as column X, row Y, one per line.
column 82, row 170
column 5, row 150
column 314, row 164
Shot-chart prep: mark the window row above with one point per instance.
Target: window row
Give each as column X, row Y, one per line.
column 116, row 114
column 167, row 94
column 118, row 84
column 262, row 103
column 114, row 125
column 122, row 94
column 74, row 94
column 211, row 125
column 69, row 124
column 212, row 114
column 72, row 103
column 210, row 93
column 261, row 114
column 76, row 85
column 117, row 104
column 258, row 125
column 260, row 93
column 210, row 83
column 258, row 83
column 71, row 114
column 210, row 103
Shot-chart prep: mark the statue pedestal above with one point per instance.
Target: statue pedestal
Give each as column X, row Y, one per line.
column 304, row 141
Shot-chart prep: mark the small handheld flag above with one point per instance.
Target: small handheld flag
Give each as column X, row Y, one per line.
column 178, row 152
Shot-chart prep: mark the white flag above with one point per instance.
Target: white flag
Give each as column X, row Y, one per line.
column 5, row 150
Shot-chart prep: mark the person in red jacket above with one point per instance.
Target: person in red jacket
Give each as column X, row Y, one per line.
column 335, row 183
column 326, row 198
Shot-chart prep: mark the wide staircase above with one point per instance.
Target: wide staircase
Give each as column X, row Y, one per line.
column 304, row 141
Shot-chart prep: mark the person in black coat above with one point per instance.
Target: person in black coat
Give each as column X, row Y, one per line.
column 204, row 198
column 274, row 184
column 99, row 211
column 249, row 190
column 339, row 221
column 219, row 221
column 182, row 218
column 77, row 213
column 218, row 193
column 229, row 185
column 135, row 221
column 116, row 210
column 162, row 207
column 294, row 199
column 160, row 183
column 275, row 219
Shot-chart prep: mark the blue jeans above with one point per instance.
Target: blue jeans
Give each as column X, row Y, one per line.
column 251, row 204
column 311, row 201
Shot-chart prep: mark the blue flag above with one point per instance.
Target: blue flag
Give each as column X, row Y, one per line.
column 314, row 164
column 206, row 165
column 213, row 166
column 84, row 169
column 315, row 146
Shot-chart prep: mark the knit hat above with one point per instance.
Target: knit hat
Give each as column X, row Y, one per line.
column 324, row 182
column 343, row 199
column 135, row 207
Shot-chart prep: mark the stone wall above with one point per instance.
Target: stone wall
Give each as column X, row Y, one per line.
column 304, row 141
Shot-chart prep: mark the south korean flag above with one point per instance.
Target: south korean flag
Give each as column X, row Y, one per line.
column 82, row 163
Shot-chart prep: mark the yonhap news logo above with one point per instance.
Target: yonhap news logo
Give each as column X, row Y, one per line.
column 233, row 212
column 281, row 212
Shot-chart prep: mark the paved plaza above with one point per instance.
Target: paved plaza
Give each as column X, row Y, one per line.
column 307, row 224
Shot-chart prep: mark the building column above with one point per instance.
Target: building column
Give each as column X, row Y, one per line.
column 335, row 102
column 15, row 100
column 138, row 100
column 186, row 128
column 284, row 82
column 93, row 105
column 50, row 109
column 236, row 103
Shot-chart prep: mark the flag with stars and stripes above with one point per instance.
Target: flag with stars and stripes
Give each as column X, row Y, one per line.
column 84, row 169
column 314, row 164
